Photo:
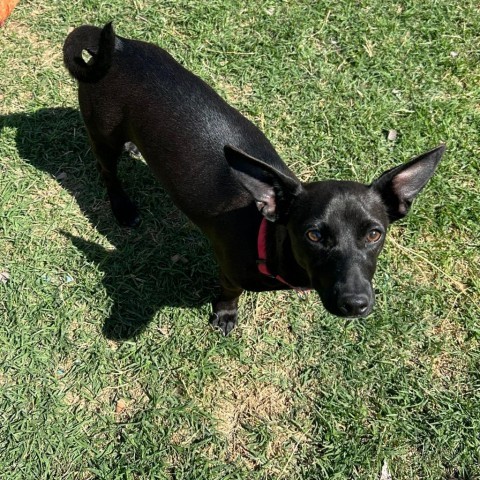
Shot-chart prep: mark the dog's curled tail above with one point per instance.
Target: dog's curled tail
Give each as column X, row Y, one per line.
column 98, row 43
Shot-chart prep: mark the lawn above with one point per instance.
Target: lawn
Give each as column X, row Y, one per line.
column 108, row 368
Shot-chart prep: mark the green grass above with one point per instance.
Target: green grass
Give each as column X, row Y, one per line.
column 108, row 368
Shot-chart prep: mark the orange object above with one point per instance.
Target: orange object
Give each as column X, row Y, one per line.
column 6, row 7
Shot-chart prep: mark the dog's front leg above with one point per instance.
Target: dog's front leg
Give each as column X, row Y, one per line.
column 225, row 307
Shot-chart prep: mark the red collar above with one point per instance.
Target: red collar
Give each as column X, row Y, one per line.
column 262, row 256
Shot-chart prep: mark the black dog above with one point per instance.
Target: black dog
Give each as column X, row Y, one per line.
column 269, row 231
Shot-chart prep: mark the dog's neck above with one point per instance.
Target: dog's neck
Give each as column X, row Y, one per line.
column 280, row 258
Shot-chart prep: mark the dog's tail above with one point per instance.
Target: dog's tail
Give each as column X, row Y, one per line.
column 96, row 42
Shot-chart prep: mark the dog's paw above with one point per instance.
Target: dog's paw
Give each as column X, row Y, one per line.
column 125, row 211
column 132, row 149
column 224, row 321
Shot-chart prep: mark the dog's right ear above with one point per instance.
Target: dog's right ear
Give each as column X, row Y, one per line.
column 272, row 190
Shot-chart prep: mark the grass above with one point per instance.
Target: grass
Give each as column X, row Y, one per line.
column 108, row 368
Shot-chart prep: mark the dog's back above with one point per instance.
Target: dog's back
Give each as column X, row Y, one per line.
column 134, row 91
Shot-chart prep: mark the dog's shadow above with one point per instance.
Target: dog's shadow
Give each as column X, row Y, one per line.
column 166, row 262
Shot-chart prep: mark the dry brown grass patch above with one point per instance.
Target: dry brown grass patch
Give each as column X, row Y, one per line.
column 446, row 366
column 241, row 404
column 234, row 94
column 249, row 404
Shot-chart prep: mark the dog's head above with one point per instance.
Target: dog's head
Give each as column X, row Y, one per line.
column 336, row 228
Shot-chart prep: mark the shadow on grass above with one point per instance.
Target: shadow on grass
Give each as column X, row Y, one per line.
column 166, row 262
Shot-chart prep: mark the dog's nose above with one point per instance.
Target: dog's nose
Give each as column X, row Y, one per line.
column 354, row 305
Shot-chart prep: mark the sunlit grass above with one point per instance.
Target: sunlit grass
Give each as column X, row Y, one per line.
column 108, row 367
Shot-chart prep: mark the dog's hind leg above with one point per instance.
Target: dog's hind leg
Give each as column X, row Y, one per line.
column 107, row 156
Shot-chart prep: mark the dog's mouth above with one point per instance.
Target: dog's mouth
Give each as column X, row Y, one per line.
column 360, row 313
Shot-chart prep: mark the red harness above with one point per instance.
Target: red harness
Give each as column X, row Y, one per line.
column 262, row 257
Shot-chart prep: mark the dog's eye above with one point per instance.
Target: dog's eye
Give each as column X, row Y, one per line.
column 374, row 236
column 314, row 235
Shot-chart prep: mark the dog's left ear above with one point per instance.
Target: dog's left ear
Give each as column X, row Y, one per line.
column 400, row 185
column 272, row 190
